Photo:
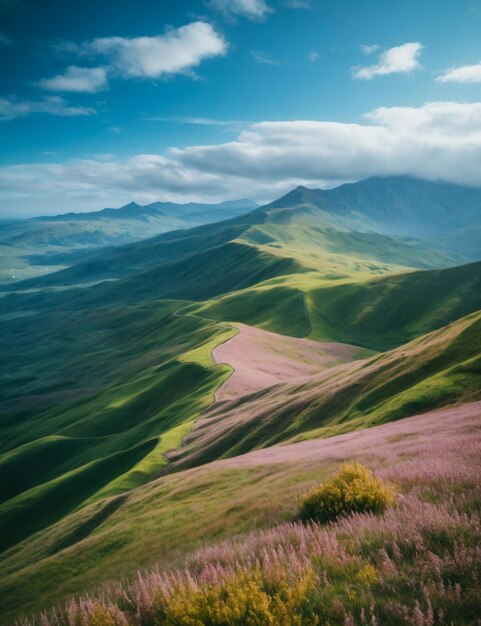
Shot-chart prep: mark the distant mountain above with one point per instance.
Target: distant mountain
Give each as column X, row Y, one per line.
column 28, row 246
column 198, row 212
column 360, row 228
column 440, row 213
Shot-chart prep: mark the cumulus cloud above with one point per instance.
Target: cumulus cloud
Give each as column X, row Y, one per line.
column 463, row 74
column 11, row 107
column 400, row 59
column 369, row 49
column 177, row 51
column 313, row 56
column 252, row 9
column 439, row 141
column 79, row 79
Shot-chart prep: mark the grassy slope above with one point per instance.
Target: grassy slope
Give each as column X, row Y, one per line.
column 41, row 246
column 124, row 399
column 99, row 421
column 168, row 518
column 378, row 313
column 313, row 238
column 438, row 369
column 338, row 253
column 114, row 262
column 104, row 385
column 136, row 375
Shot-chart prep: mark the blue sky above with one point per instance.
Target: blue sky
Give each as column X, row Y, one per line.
column 105, row 102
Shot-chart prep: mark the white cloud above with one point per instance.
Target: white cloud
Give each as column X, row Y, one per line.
column 370, row 49
column 252, row 9
column 297, row 4
column 463, row 74
column 400, row 59
column 11, row 107
column 101, row 156
column 313, row 56
column 177, row 51
column 439, row 141
column 263, row 58
column 79, row 79
column 199, row 121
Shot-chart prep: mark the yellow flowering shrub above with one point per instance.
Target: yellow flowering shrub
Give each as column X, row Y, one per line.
column 243, row 600
column 354, row 490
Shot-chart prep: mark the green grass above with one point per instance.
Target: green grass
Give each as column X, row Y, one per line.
column 166, row 519
column 100, row 421
column 389, row 311
column 333, row 251
column 141, row 373
column 436, row 370
column 98, row 383
column 278, row 309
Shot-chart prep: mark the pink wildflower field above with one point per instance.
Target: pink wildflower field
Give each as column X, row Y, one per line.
column 419, row 563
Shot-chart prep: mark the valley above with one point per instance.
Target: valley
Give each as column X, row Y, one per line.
column 164, row 394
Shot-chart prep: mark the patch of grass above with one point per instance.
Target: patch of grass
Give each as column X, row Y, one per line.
column 387, row 312
column 100, row 422
column 278, row 309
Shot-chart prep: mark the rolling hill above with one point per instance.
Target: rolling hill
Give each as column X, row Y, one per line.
column 323, row 236
column 135, row 379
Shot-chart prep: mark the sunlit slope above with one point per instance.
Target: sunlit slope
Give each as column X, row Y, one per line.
column 336, row 253
column 433, row 212
column 438, row 369
column 387, row 312
column 312, row 227
column 209, row 273
column 168, row 518
column 376, row 313
column 99, row 381
column 91, row 401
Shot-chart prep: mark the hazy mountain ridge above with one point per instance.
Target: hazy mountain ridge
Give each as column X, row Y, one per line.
column 34, row 245
column 432, row 211
column 302, row 220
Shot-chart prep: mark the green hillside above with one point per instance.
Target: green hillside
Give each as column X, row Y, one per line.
column 317, row 234
column 377, row 313
column 96, row 398
column 435, row 370
column 109, row 373
column 174, row 513
column 387, row 312
column 399, row 206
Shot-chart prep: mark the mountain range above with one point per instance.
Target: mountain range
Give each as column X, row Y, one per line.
column 154, row 389
column 43, row 244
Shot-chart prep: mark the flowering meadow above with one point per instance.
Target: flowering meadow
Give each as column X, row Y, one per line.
column 418, row 563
